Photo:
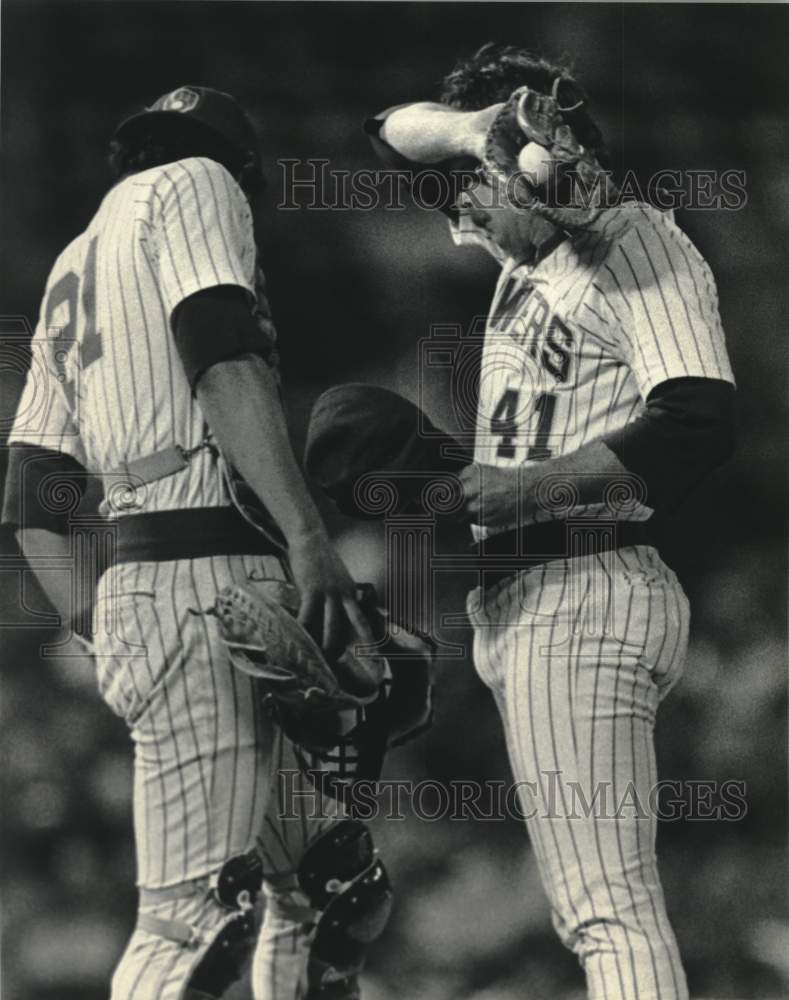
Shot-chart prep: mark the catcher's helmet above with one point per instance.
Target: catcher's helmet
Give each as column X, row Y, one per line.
column 210, row 108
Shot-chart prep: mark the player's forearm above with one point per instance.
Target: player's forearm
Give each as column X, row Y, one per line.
column 589, row 472
column 429, row 133
column 240, row 400
column 502, row 498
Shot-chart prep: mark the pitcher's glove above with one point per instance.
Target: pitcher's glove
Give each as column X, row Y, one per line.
column 532, row 152
column 306, row 695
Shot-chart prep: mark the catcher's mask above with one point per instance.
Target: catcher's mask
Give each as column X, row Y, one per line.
column 402, row 711
column 341, row 717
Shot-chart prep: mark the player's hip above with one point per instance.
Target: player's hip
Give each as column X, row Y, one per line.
column 195, row 550
column 557, row 585
column 625, row 604
column 196, row 575
column 164, row 570
column 149, row 619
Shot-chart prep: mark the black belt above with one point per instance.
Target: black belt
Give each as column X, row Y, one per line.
column 533, row 545
column 192, row 533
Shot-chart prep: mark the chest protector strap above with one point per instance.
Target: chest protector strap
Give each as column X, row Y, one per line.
column 159, row 464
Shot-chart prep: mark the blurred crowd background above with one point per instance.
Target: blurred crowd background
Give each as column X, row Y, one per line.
column 674, row 86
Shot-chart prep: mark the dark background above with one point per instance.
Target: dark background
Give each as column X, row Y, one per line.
column 674, row 86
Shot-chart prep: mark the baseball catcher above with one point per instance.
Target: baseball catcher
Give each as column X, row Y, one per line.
column 157, row 376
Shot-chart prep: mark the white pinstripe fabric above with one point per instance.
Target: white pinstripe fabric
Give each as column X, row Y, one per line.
column 158, row 236
column 202, row 748
column 579, row 652
column 107, row 387
column 577, row 691
column 280, row 958
column 206, row 764
column 154, row 968
column 47, row 414
column 594, row 327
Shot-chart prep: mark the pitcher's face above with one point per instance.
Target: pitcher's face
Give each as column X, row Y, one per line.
column 517, row 232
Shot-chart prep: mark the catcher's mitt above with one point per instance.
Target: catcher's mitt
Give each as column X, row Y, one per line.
column 532, row 152
column 309, row 699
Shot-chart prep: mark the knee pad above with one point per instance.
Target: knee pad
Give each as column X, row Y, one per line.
column 218, row 956
column 223, row 962
column 235, row 887
column 344, row 879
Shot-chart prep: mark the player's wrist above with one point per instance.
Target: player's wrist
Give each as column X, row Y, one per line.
column 473, row 131
column 306, row 534
column 471, row 141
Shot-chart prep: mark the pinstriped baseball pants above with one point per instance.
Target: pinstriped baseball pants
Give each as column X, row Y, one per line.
column 578, row 654
column 206, row 763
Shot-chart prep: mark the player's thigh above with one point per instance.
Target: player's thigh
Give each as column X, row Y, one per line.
column 493, row 613
column 581, row 676
column 578, row 691
column 157, row 645
column 202, row 742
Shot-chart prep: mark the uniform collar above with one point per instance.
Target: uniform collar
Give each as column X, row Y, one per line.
column 539, row 254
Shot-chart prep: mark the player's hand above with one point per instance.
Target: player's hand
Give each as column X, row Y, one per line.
column 494, row 497
column 328, row 610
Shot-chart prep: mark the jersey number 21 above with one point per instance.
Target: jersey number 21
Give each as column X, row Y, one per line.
column 68, row 289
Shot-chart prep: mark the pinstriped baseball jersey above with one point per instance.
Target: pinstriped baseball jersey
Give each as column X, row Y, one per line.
column 575, row 344
column 578, row 652
column 107, row 386
column 158, row 237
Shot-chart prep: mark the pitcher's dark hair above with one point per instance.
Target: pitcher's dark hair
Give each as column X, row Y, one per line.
column 493, row 72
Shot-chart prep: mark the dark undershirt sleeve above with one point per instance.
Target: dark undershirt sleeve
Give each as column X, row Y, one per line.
column 217, row 324
column 439, row 183
column 43, row 488
column 686, row 431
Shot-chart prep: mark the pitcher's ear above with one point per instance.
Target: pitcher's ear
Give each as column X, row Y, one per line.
column 251, row 178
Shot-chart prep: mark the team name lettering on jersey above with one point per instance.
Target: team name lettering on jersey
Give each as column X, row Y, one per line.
column 574, row 344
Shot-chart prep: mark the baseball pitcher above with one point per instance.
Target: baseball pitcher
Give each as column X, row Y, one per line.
column 605, row 395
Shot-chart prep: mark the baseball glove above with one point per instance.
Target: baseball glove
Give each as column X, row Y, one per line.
column 532, row 152
column 309, row 698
